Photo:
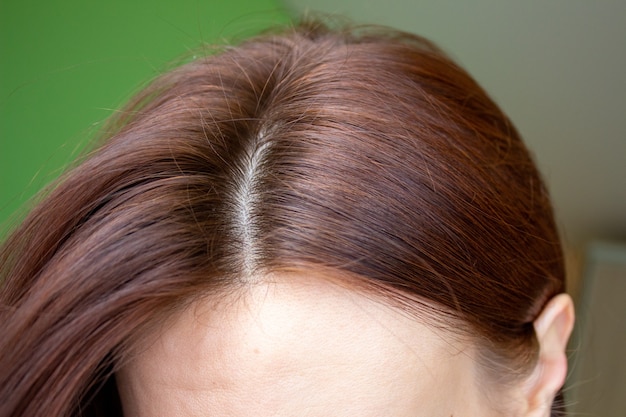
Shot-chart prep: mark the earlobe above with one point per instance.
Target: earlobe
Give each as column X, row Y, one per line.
column 552, row 328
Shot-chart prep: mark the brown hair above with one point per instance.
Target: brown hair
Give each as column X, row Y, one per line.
column 366, row 151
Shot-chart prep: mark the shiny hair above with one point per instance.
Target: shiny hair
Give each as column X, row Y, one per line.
column 365, row 151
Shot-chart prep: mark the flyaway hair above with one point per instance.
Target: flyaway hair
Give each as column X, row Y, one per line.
column 361, row 150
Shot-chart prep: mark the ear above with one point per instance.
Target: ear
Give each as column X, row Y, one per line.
column 552, row 328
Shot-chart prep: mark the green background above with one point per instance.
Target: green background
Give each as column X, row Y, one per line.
column 66, row 66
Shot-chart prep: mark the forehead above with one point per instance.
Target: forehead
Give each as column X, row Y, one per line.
column 296, row 345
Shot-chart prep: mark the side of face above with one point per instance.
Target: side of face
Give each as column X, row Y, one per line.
column 300, row 345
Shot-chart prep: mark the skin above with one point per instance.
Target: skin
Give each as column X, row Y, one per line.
column 300, row 345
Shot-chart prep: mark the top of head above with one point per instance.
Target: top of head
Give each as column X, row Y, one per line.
column 363, row 151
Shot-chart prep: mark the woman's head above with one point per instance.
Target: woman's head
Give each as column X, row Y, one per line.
column 362, row 156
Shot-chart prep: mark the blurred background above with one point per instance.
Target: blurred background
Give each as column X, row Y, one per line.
column 558, row 69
